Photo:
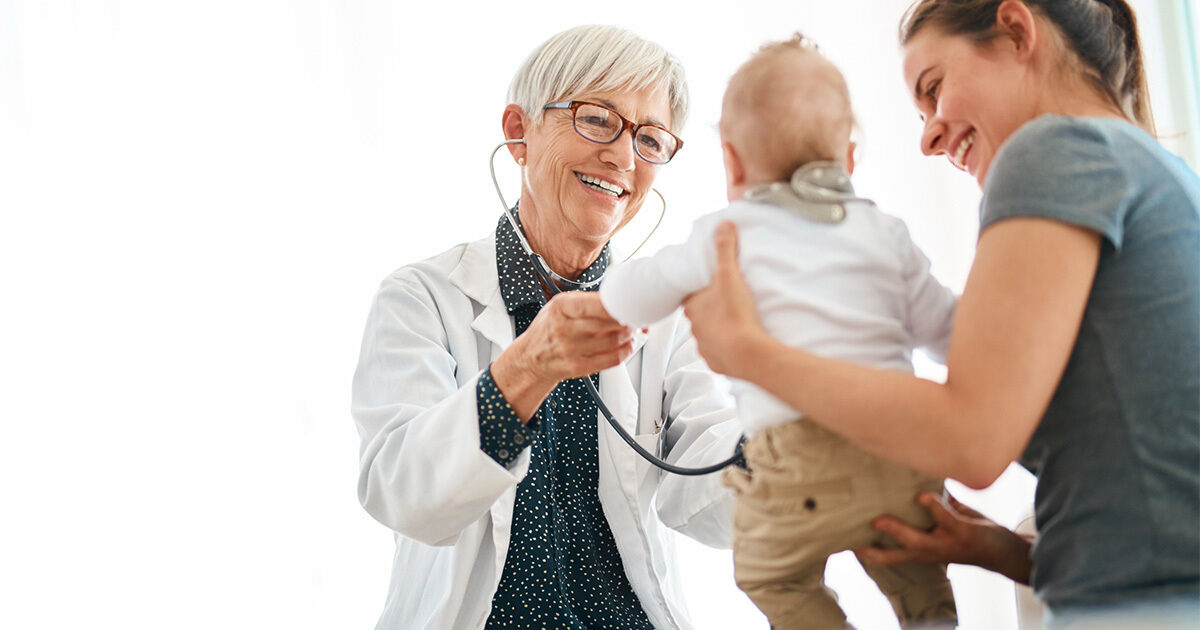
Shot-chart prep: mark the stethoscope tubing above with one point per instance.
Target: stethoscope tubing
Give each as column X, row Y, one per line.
column 549, row 278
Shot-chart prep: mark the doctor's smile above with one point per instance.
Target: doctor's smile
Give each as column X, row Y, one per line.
column 561, row 523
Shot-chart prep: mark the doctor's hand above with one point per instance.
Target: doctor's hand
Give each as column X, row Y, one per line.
column 571, row 337
column 725, row 323
column 960, row 535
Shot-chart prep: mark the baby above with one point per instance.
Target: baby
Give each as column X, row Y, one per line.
column 832, row 274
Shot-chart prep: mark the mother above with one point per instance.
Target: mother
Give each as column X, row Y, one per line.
column 1076, row 344
column 512, row 506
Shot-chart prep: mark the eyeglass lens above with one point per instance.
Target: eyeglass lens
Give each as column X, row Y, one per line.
column 597, row 123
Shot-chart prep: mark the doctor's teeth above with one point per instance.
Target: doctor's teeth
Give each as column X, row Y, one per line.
column 599, row 184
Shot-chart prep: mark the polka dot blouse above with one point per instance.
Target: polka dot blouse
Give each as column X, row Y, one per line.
column 562, row 569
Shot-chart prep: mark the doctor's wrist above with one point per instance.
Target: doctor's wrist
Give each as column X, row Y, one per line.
column 521, row 387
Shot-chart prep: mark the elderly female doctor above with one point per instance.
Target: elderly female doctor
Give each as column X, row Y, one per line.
column 513, row 505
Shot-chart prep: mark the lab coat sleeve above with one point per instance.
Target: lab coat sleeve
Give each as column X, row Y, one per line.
column 422, row 472
column 643, row 291
column 704, row 430
column 930, row 304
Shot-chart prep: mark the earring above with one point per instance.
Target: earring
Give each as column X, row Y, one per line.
column 521, row 161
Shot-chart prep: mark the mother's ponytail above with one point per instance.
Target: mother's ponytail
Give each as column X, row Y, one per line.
column 1128, row 85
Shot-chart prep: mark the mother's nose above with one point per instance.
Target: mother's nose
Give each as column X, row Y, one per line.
column 933, row 138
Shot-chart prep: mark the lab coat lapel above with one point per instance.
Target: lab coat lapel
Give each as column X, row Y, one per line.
column 621, row 398
column 476, row 276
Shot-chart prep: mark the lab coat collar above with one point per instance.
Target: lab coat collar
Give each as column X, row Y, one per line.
column 476, row 277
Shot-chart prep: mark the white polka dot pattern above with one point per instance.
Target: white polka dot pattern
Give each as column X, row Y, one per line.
column 562, row 569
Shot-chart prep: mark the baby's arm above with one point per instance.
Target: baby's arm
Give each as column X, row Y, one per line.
column 641, row 292
column 930, row 304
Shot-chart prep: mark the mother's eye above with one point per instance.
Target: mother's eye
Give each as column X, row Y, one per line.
column 932, row 88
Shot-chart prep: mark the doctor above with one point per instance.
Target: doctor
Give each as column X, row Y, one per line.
column 513, row 504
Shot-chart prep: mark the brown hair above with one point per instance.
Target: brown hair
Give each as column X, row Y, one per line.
column 1101, row 33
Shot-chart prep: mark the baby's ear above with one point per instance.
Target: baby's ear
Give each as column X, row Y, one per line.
column 735, row 171
column 850, row 150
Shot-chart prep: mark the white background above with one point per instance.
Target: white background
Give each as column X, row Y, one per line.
column 197, row 201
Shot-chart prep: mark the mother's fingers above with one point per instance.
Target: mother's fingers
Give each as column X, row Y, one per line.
column 907, row 535
column 726, row 240
column 948, row 512
column 885, row 557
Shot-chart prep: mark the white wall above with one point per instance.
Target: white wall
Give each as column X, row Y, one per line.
column 197, row 201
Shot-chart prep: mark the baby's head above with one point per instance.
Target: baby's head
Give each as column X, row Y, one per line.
column 785, row 107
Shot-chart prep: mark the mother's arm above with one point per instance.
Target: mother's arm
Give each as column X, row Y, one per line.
column 1016, row 323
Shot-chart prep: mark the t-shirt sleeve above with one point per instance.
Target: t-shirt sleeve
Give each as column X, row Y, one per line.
column 1062, row 169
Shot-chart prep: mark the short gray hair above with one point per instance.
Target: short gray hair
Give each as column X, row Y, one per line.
column 600, row 59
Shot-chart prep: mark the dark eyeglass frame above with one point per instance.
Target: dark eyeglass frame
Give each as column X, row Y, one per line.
column 625, row 124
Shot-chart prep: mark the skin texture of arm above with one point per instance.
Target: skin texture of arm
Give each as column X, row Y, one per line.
column 1014, row 329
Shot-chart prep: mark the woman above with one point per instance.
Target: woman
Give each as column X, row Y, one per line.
column 512, row 506
column 1076, row 340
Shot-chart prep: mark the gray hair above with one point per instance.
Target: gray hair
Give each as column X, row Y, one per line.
column 600, row 59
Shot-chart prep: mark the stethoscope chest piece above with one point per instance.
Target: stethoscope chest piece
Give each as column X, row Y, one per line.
column 817, row 191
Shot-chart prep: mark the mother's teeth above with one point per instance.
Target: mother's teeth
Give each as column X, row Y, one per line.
column 961, row 152
column 611, row 189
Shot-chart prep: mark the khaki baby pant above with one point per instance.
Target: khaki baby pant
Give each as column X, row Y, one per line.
column 809, row 494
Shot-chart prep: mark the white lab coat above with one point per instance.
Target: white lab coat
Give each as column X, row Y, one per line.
column 433, row 328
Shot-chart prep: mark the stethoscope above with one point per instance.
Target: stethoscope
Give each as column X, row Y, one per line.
column 552, row 280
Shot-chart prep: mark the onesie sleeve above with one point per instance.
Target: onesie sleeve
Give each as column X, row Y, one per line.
column 643, row 291
column 1063, row 169
column 930, row 312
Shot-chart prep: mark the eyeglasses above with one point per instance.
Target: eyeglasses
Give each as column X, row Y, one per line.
column 602, row 125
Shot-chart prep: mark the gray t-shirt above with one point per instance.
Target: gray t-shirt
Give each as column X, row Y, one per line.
column 1117, row 454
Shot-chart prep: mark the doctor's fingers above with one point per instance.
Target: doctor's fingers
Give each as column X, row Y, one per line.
column 583, row 357
column 585, row 342
column 559, row 323
column 582, row 305
column 603, row 360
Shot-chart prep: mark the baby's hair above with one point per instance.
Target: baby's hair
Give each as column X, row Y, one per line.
column 784, row 117
column 798, row 41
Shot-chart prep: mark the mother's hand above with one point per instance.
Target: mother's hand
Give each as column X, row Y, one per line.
column 724, row 319
column 960, row 535
column 572, row 336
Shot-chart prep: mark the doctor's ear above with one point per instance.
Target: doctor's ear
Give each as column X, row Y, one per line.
column 514, row 122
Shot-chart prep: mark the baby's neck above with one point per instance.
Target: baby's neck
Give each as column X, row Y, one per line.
column 740, row 190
